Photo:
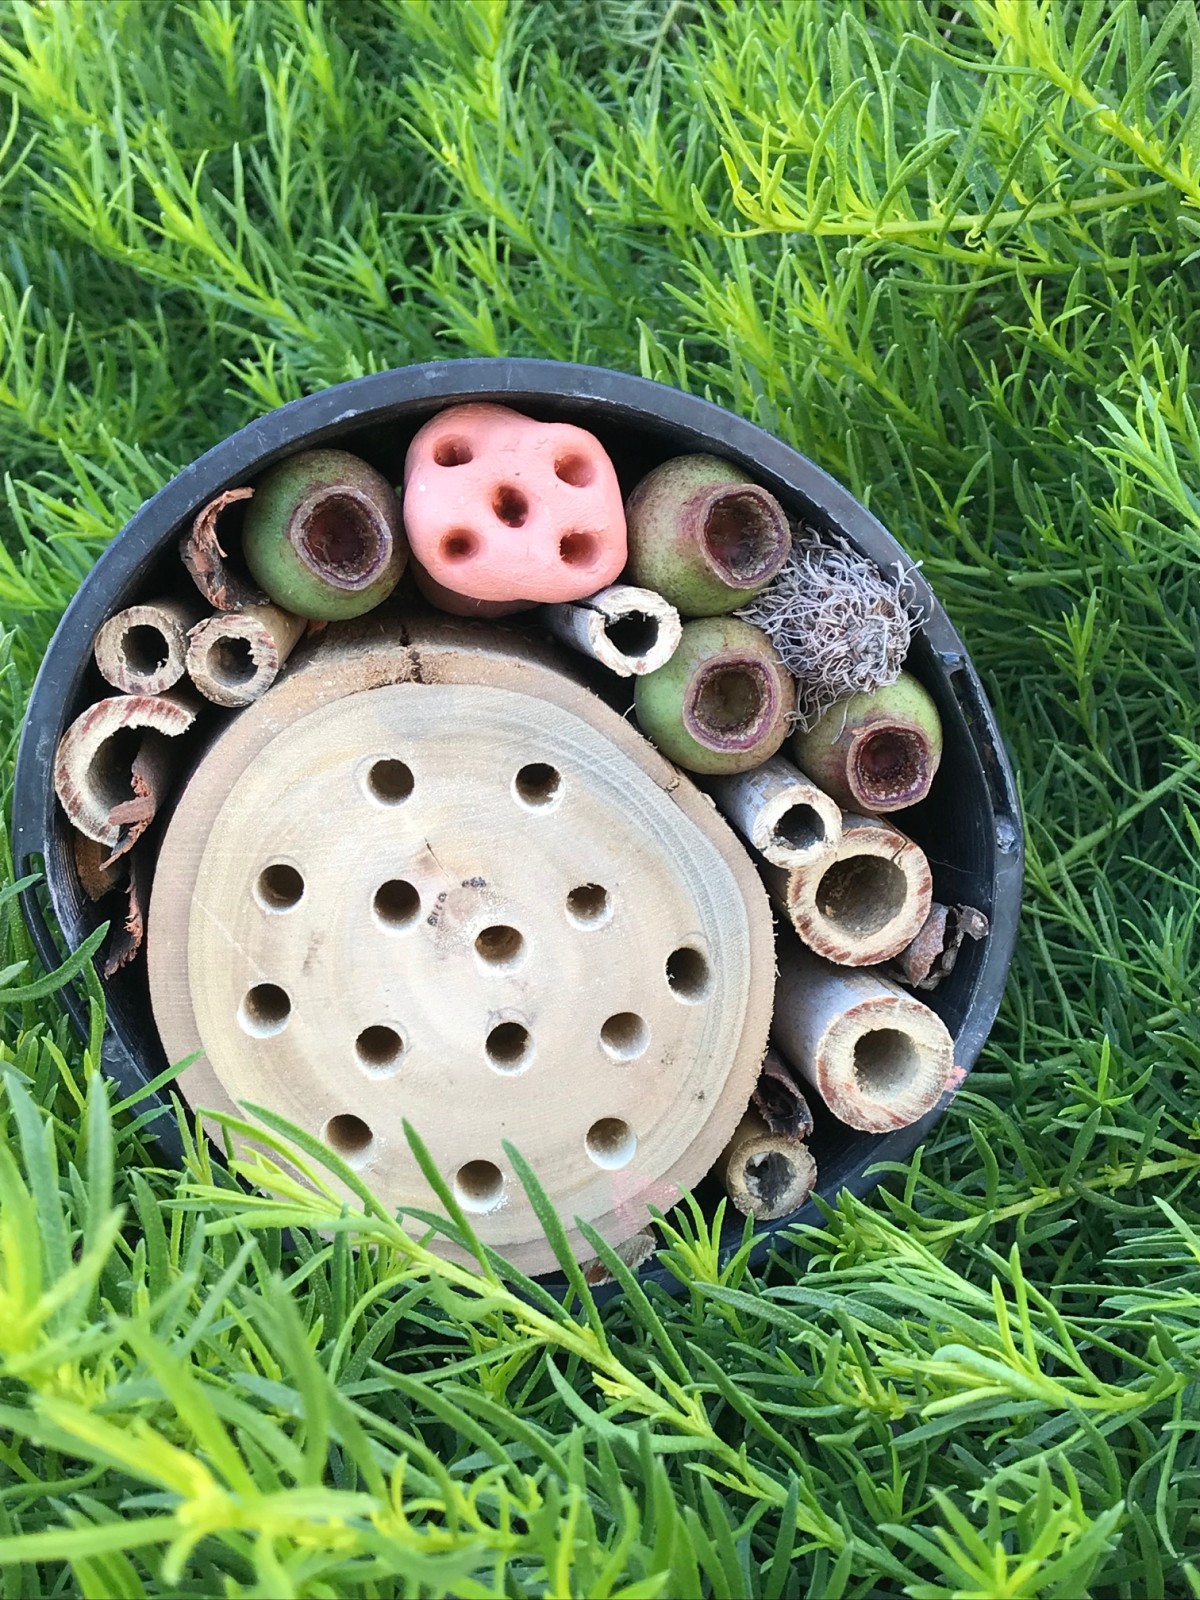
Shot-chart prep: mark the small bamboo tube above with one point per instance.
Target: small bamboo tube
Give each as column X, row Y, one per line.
column 93, row 767
column 864, row 902
column 879, row 1058
column 775, row 808
column 628, row 630
column 233, row 658
column 142, row 650
column 766, row 1175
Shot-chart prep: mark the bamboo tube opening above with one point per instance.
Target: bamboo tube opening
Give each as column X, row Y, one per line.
column 110, row 771
column 635, row 634
column 862, row 894
column 744, row 535
column 800, row 827
column 886, row 1063
column 230, row 662
column 145, row 649
column 343, row 538
column 768, row 1176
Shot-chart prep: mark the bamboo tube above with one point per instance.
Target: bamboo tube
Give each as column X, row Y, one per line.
column 234, row 657
column 628, row 630
column 787, row 819
column 142, row 649
column 766, row 1175
column 865, row 902
column 113, row 757
column 879, row 1058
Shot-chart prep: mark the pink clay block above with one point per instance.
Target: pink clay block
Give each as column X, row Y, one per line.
column 501, row 508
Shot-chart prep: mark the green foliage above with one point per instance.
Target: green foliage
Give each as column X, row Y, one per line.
column 948, row 251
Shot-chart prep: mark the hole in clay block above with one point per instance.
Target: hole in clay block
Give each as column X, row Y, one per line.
column 343, row 539
column 768, row 1177
column 731, row 702
column 538, row 784
column 588, row 905
column 862, row 894
column 265, row 1010
column 500, row 945
column 479, row 1186
column 397, row 903
column 390, row 782
column 885, row 1062
column 461, row 545
column 145, row 649
column 742, row 536
column 350, row 1137
column 575, row 470
column 452, row 452
column 611, row 1142
column 379, row 1047
column 688, row 974
column 633, row 634
column 230, row 662
column 279, row 887
column 625, row 1036
column 511, row 506
column 578, row 549
column 509, row 1046
column 799, row 828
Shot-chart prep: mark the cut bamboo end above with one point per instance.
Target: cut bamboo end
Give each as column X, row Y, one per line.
column 787, row 819
column 234, row 658
column 766, row 1175
column 142, row 649
column 865, row 902
column 94, row 769
column 879, row 1058
column 630, row 631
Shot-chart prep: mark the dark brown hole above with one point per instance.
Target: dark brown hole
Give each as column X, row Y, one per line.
column 230, row 661
column 452, row 453
column 688, row 974
column 265, row 1010
column 731, row 703
column 459, row 546
column 499, row 945
column 280, row 887
column 633, row 634
column 391, row 782
column 345, row 540
column 575, row 470
column 110, row 773
column 379, row 1047
column 509, row 1046
column 511, row 506
column 578, row 549
column 479, row 1186
column 745, row 536
column 885, row 1062
column 799, row 828
column 625, row 1036
column 537, row 784
column 145, row 649
column 862, row 894
column 889, row 765
column 768, row 1177
column 588, row 904
column 397, row 903
column 349, row 1136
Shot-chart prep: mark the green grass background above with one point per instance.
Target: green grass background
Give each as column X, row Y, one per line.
column 949, row 251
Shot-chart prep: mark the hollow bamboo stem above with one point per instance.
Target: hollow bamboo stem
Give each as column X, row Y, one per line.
column 766, row 1175
column 233, row 658
column 630, row 631
column 112, row 764
column 142, row 649
column 787, row 819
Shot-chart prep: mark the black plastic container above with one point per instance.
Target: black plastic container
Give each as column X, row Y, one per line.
column 976, row 847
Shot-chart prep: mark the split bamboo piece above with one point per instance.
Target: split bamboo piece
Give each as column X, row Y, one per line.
column 787, row 819
column 234, row 657
column 766, row 1175
column 114, row 756
column 879, row 1058
column 863, row 903
column 142, row 649
column 630, row 631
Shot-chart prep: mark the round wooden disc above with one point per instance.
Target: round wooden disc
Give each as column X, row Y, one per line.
column 468, row 906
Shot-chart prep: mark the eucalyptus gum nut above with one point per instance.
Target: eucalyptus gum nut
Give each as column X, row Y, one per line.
column 324, row 537
column 875, row 752
column 703, row 536
column 723, row 700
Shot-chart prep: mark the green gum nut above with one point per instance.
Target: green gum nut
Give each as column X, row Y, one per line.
column 324, row 537
column 723, row 700
column 875, row 752
column 704, row 536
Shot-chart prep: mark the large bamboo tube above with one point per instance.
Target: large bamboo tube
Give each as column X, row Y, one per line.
column 233, row 658
column 879, row 1058
column 766, row 1175
column 142, row 649
column 630, row 631
column 112, row 766
column 775, row 808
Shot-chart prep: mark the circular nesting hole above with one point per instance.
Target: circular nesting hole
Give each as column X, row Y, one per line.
column 500, row 945
column 885, row 1062
column 799, row 828
column 578, row 549
column 461, row 545
column 589, row 905
column 688, row 974
column 635, row 634
column 510, row 506
column 611, row 1143
column 768, row 1177
column 509, row 1047
column 479, row 1186
column 731, row 702
column 390, row 782
column 862, row 894
column 145, row 649
column 379, row 1048
column 889, row 764
column 452, row 452
column 742, row 534
column 575, row 470
column 625, row 1036
column 397, row 903
column 344, row 539
column 349, row 1137
column 279, row 887
column 265, row 1010
column 230, row 662
column 110, row 771
column 538, row 784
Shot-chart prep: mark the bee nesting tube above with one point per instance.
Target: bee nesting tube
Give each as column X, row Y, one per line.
column 112, row 756
column 787, row 819
column 234, row 657
column 766, row 1175
column 865, row 902
column 142, row 649
column 630, row 631
column 879, row 1058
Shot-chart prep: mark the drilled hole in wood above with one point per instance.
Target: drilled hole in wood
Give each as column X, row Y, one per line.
column 509, row 1047
column 350, row 1137
column 145, row 649
column 688, row 974
column 798, row 828
column 885, row 1062
column 230, row 662
column 500, row 945
column 460, row 545
column 397, row 903
column 452, row 453
column 575, row 470
column 538, row 784
column 611, row 1142
column 862, row 894
column 279, row 887
column 479, row 1186
column 635, row 634
column 589, row 905
column 511, row 506
column 379, row 1047
column 578, row 549
column 265, row 1010
column 625, row 1036
column 390, row 782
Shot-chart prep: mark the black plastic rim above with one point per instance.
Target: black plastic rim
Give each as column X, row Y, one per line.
column 988, row 871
